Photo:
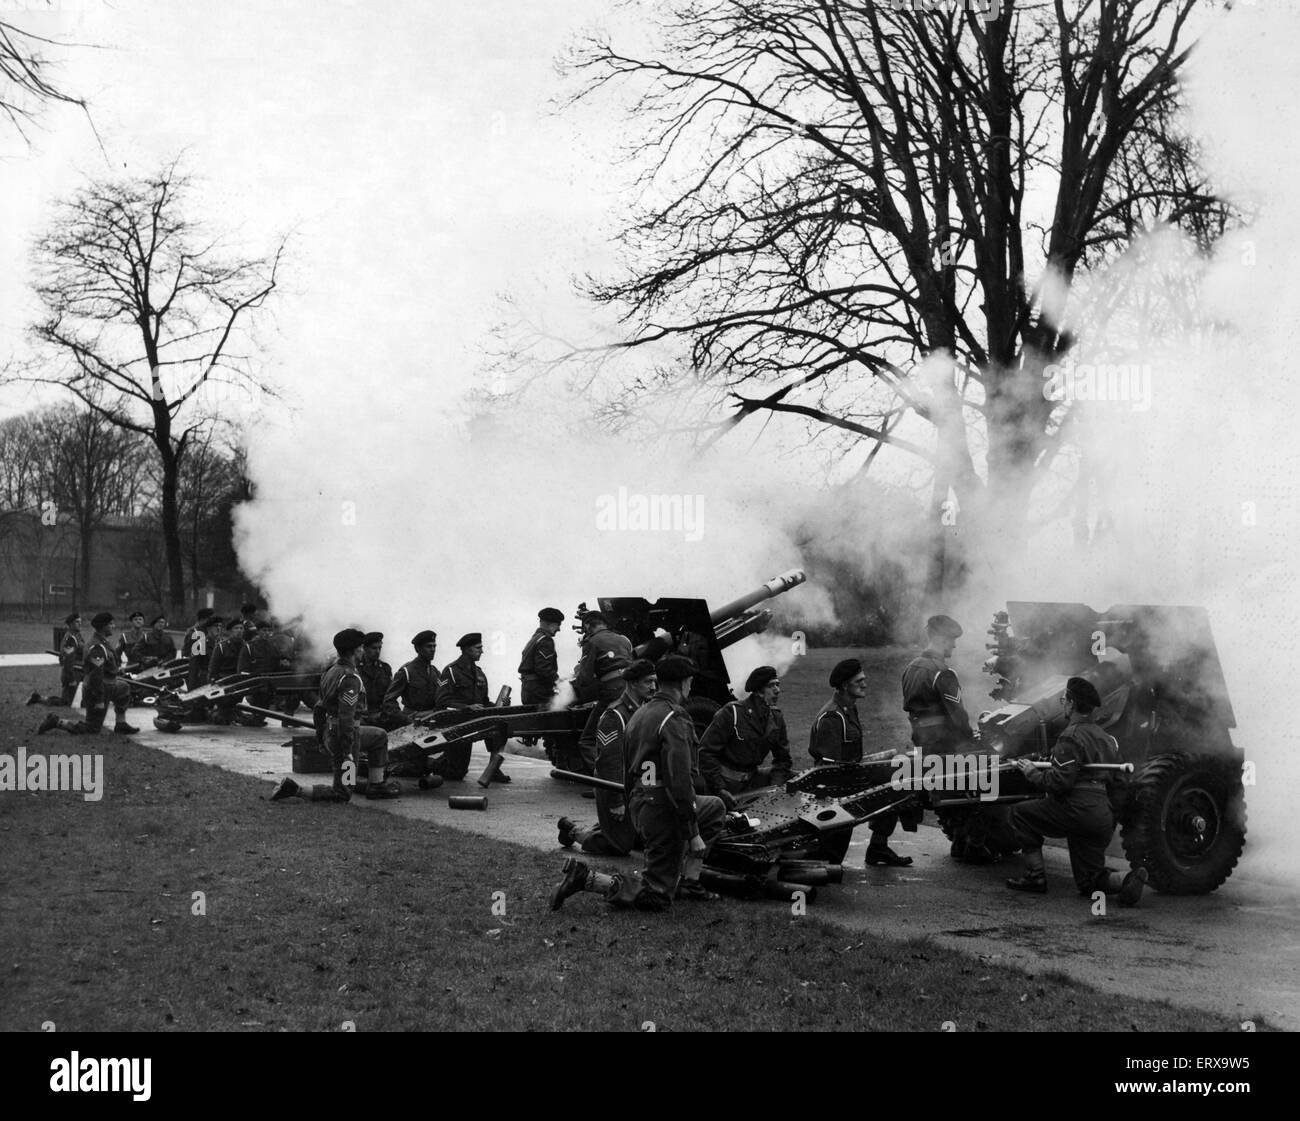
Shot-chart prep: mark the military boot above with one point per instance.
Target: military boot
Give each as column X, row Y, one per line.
column 878, row 852
column 1035, row 878
column 573, row 881
column 1130, row 887
column 568, row 832
column 285, row 788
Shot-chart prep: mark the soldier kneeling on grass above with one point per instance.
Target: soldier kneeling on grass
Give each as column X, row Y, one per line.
column 343, row 698
column 100, row 688
column 677, row 828
column 1077, row 806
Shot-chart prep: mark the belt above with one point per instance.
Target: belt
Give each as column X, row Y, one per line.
column 927, row 721
column 1091, row 782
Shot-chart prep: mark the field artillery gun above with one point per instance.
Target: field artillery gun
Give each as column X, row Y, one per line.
column 692, row 629
column 178, row 707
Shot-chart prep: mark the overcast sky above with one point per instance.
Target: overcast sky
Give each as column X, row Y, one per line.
column 408, row 146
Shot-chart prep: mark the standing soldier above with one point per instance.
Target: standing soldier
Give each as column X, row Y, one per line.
column 677, row 827
column 257, row 658
column 130, row 639
column 225, row 663
column 72, row 651
column 100, row 688
column 1077, row 806
column 615, row 835
column 187, row 643
column 415, row 685
column 940, row 725
column 605, row 655
column 343, row 697
column 836, row 737
column 378, row 677
column 464, row 685
column 539, row 667
column 741, row 735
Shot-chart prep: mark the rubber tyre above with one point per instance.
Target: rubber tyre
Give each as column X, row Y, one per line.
column 1186, row 822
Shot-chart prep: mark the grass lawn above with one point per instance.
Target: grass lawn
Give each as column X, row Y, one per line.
column 318, row 915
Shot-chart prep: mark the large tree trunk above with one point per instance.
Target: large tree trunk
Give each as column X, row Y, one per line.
column 172, row 532
column 86, row 545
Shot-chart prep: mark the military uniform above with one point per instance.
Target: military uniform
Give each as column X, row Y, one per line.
column 741, row 735
column 72, row 652
column 605, row 655
column 258, row 656
column 462, row 685
column 662, row 751
column 836, row 734
column 1077, row 807
column 378, row 678
column 194, row 648
column 414, row 688
column 343, row 700
column 154, row 649
column 932, row 699
column 615, row 834
column 225, row 663
column 102, row 686
column 127, row 641
column 539, row 669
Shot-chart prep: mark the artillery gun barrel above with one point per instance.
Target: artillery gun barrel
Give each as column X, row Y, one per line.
column 586, row 780
column 773, row 587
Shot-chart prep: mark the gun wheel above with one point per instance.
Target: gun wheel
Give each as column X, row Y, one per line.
column 1186, row 822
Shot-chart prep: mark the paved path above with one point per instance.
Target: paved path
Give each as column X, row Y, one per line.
column 1236, row 951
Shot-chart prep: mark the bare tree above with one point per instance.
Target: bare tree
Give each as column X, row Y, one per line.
column 26, row 83
column 145, row 322
column 845, row 207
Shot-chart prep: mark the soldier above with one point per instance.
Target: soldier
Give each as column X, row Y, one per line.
column 72, row 650
column 187, row 643
column 539, row 669
column 836, row 737
column 940, row 724
column 200, row 640
column 378, row 676
column 615, row 835
column 1077, row 806
column 157, row 646
column 464, row 685
column 605, row 655
column 259, row 657
column 677, row 828
column 415, row 685
column 100, row 688
column 741, row 735
column 225, row 663
column 130, row 639
column 343, row 697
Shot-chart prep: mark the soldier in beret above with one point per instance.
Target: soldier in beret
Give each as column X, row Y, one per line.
column 1077, row 806
column 100, row 688
column 464, row 685
column 415, row 684
column 258, row 657
column 605, row 655
column 615, row 835
column 130, row 638
column 201, row 639
column 343, row 698
column 836, row 737
column 157, row 645
column 378, row 677
column 72, row 651
column 741, row 736
column 677, row 828
column 539, row 666
column 224, row 663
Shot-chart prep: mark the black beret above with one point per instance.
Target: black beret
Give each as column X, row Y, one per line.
column 761, row 678
column 943, row 625
column 251, row 624
column 205, row 613
column 373, row 636
column 100, row 621
column 423, row 637
column 248, row 609
column 639, row 670
column 155, row 619
column 673, row 667
column 594, row 617
column 210, row 621
column 471, row 639
column 1083, row 693
column 844, row 671
column 551, row 615
column 348, row 639
column 135, row 613
column 72, row 618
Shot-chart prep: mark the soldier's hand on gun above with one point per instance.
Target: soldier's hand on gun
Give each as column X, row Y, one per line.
column 697, row 843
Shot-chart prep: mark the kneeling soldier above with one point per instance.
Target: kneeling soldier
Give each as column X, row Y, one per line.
column 1077, row 806
column 343, row 697
column 100, row 688
column 616, row 834
column 676, row 827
